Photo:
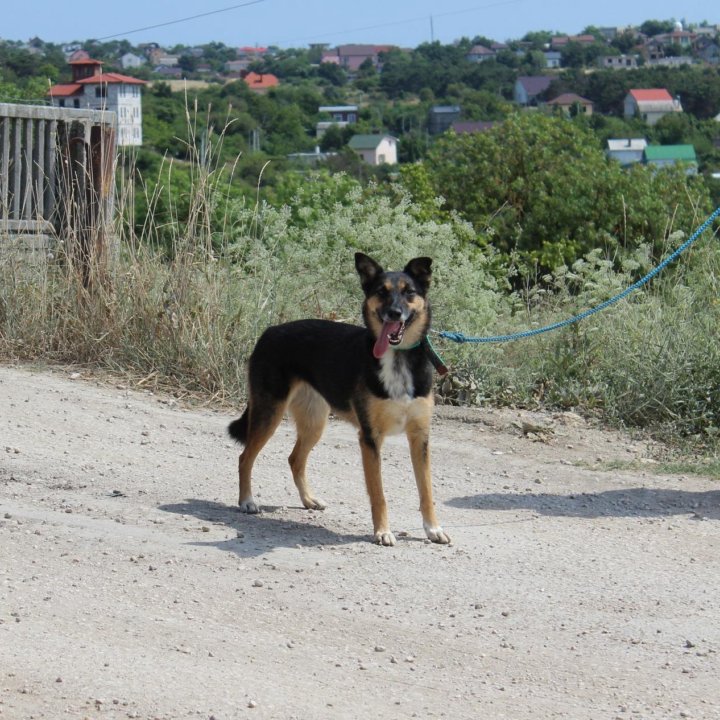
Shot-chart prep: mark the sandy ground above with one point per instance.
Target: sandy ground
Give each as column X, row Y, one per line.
column 130, row 586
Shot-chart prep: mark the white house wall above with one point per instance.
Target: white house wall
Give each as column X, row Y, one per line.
column 126, row 102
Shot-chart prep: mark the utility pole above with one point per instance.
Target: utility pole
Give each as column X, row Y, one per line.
column 432, row 30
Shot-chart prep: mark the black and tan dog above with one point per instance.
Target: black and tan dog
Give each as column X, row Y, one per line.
column 378, row 377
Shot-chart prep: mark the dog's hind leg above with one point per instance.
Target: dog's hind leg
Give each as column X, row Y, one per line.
column 310, row 412
column 264, row 418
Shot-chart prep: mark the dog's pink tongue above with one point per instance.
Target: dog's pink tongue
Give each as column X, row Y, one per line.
column 382, row 343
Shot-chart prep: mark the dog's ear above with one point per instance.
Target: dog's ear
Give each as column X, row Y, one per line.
column 420, row 270
column 368, row 270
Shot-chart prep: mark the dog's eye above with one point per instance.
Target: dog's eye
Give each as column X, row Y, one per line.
column 410, row 293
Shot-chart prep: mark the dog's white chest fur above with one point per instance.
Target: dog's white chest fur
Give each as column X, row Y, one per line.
column 396, row 377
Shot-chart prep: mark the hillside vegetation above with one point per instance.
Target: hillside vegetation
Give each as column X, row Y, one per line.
column 527, row 223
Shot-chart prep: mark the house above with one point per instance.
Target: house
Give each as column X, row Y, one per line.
column 131, row 60
column 572, row 104
column 678, row 37
column 561, row 41
column 707, row 31
column 375, row 149
column 351, row 57
column 441, row 117
column 340, row 115
column 670, row 155
column 618, row 62
column 78, row 54
column 260, row 82
column 251, row 52
column 708, row 51
column 672, row 61
column 158, row 56
column 627, row 151
column 330, row 56
column 528, row 88
column 650, row 104
column 553, row 58
column 656, row 47
column 479, row 53
column 92, row 88
column 168, row 73
column 235, row 68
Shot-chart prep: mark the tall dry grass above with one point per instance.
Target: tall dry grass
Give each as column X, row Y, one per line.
column 200, row 275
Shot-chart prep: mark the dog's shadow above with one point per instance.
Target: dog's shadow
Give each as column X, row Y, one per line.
column 258, row 534
column 631, row 502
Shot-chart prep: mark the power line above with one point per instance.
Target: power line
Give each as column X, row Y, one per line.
column 423, row 19
column 182, row 20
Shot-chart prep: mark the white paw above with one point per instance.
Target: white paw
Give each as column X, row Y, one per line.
column 249, row 506
column 384, row 538
column 313, row 503
column 436, row 534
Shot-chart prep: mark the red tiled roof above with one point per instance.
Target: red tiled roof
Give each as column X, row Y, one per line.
column 64, row 89
column 256, row 81
column 84, row 61
column 653, row 95
column 111, row 79
column 67, row 89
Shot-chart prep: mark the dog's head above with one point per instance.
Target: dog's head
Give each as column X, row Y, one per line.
column 396, row 308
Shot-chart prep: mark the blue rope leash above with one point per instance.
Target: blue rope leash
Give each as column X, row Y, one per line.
column 459, row 337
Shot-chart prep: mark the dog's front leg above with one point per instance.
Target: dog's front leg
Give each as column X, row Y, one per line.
column 370, row 450
column 418, row 434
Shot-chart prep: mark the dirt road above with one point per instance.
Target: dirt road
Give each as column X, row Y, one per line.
column 131, row 587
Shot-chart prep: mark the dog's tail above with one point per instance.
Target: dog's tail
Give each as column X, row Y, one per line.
column 238, row 429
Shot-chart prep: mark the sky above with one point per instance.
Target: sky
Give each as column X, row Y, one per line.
column 297, row 23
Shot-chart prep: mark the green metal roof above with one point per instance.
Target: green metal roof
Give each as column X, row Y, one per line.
column 365, row 142
column 679, row 153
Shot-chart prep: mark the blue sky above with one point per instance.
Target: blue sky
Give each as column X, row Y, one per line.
column 296, row 23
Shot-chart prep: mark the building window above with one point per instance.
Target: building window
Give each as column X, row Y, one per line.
column 76, row 102
column 61, row 103
column 101, row 91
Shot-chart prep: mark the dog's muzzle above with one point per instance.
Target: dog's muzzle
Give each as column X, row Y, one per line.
column 392, row 333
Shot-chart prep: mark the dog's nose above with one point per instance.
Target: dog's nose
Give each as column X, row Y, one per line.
column 393, row 313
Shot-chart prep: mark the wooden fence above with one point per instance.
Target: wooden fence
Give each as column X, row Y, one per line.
column 57, row 170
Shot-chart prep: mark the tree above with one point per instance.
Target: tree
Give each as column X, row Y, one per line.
column 367, row 76
column 336, row 138
column 541, row 188
column 657, row 27
column 624, row 42
column 333, row 73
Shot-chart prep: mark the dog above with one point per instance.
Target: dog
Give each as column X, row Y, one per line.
column 378, row 377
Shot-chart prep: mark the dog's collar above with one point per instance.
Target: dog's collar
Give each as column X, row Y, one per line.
column 440, row 367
